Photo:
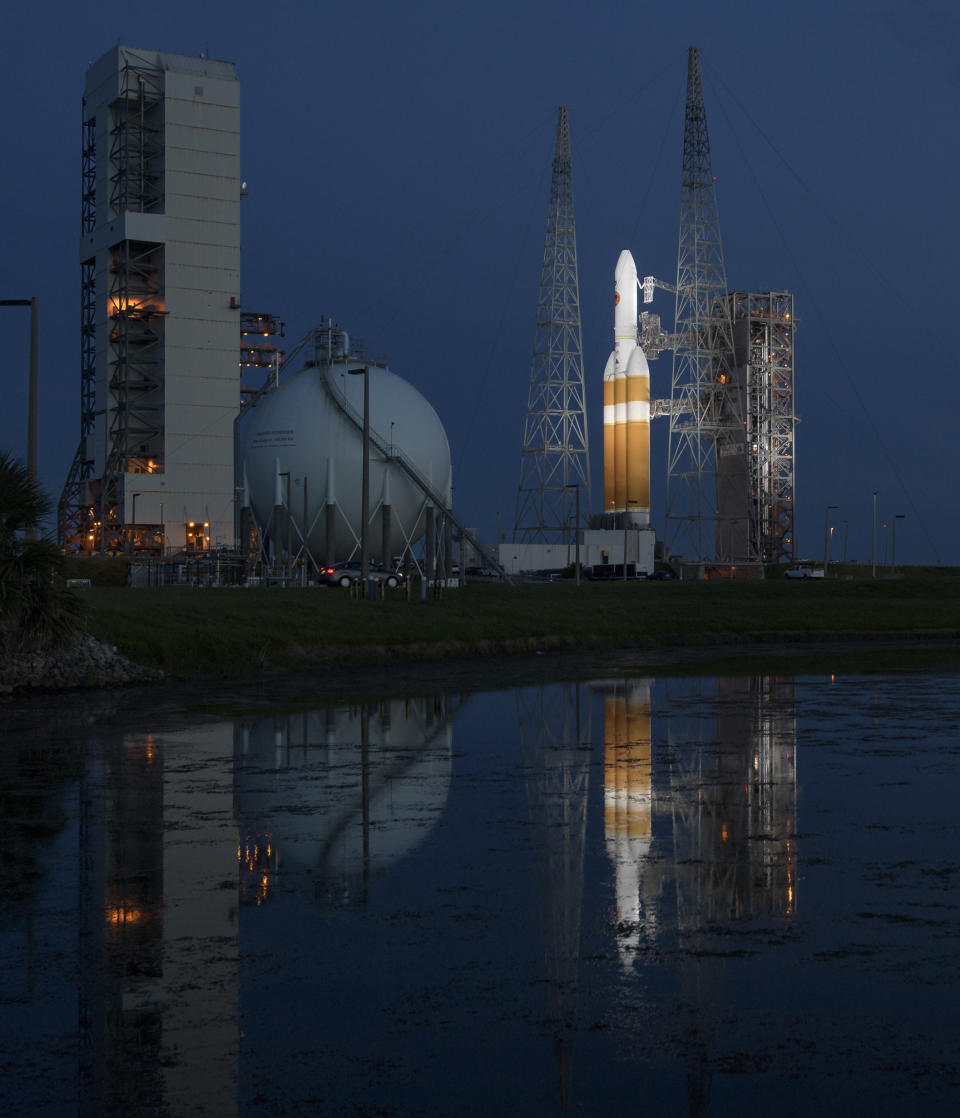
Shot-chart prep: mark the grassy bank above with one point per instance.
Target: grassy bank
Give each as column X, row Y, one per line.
column 229, row 632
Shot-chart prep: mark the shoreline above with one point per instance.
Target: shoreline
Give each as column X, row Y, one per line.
column 228, row 640
column 89, row 665
column 854, row 654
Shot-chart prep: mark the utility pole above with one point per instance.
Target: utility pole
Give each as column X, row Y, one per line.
column 576, row 528
column 826, row 538
column 873, row 563
column 555, row 454
column 893, row 556
column 365, row 483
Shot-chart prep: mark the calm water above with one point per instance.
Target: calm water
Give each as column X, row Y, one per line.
column 687, row 896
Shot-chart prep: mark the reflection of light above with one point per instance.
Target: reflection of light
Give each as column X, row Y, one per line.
column 789, row 867
column 254, row 860
column 144, row 747
column 723, row 833
column 250, row 855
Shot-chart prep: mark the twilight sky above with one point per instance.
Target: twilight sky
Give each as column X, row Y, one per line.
column 398, row 160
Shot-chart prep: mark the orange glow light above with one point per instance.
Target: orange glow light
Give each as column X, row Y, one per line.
column 123, row 915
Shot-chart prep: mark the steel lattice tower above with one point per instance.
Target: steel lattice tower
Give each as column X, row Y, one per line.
column 555, row 457
column 706, row 439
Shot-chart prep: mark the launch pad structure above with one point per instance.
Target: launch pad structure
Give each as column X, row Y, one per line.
column 732, row 419
column 154, row 471
column 763, row 337
column 553, row 496
column 731, row 415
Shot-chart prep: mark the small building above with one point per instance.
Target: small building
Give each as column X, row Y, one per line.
column 598, row 546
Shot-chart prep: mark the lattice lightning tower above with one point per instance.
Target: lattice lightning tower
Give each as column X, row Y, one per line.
column 555, row 457
column 706, row 425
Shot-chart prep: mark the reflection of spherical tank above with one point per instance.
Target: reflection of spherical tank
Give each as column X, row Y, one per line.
column 341, row 795
column 301, row 448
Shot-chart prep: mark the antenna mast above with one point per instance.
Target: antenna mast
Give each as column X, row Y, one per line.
column 555, row 456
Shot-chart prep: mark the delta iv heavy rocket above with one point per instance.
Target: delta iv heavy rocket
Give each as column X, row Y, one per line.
column 626, row 407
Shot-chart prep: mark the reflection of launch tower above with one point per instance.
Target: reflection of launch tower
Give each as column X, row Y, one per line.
column 735, row 838
column 181, row 832
column 153, row 859
column 758, row 743
column 709, row 819
column 707, row 841
column 557, row 772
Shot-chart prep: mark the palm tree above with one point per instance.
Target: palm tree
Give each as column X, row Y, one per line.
column 35, row 608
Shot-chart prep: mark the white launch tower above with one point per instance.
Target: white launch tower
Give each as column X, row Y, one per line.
column 160, row 306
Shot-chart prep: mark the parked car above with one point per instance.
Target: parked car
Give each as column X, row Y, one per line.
column 803, row 571
column 481, row 572
column 348, row 573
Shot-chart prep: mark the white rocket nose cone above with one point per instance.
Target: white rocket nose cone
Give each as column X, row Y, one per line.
column 626, row 269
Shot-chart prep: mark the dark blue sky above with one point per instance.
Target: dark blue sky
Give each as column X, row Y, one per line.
column 398, row 167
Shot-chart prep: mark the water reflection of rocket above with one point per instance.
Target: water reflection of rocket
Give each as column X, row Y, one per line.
column 626, row 407
column 628, row 805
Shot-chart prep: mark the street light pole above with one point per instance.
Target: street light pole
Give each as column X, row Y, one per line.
column 576, row 531
column 289, row 529
column 286, row 533
column 826, row 538
column 893, row 557
column 365, row 482
column 577, row 537
column 874, row 559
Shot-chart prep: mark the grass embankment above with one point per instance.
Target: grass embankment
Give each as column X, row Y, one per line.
column 229, row 632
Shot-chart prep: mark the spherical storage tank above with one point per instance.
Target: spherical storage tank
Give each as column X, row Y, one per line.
column 302, row 445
